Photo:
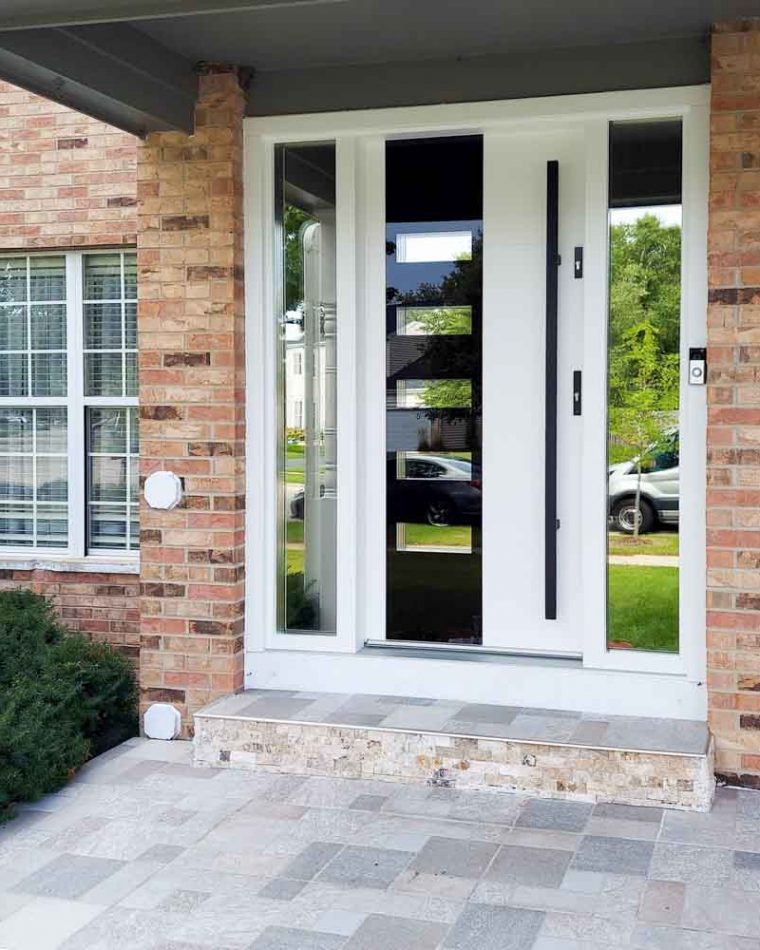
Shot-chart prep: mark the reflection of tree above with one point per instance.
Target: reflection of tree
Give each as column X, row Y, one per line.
column 451, row 309
column 294, row 220
column 644, row 336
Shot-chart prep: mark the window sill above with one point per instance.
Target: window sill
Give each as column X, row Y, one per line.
column 92, row 564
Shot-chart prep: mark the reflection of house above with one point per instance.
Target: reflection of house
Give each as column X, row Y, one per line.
column 294, row 376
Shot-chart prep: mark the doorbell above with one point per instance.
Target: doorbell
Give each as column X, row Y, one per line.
column 697, row 365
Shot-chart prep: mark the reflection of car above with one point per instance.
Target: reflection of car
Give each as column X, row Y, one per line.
column 436, row 489
column 659, row 488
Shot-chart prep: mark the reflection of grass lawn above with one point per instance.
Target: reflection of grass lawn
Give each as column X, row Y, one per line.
column 660, row 542
column 295, row 560
column 294, row 476
column 426, row 534
column 295, row 532
column 643, row 607
column 295, row 451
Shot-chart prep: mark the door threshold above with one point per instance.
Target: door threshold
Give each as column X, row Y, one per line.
column 427, row 649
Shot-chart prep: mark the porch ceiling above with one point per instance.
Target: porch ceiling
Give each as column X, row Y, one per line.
column 130, row 61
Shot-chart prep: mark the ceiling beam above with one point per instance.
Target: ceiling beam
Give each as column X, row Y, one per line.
column 21, row 15
column 113, row 72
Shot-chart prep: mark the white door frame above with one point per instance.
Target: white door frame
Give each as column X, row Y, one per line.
column 359, row 138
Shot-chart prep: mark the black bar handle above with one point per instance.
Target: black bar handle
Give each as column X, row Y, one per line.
column 550, row 453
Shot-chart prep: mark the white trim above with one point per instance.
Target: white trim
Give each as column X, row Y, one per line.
column 78, row 565
column 361, row 470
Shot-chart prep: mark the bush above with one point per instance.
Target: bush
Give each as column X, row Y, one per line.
column 63, row 699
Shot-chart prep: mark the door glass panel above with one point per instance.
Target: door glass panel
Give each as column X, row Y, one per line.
column 643, row 385
column 307, row 405
column 434, row 242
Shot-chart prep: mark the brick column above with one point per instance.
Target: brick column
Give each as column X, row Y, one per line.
column 733, row 495
column 191, row 324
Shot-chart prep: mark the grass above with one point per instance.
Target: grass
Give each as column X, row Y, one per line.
column 450, row 537
column 294, row 476
column 295, row 532
column 660, row 542
column 643, row 607
column 295, row 450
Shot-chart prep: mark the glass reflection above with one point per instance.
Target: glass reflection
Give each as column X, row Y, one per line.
column 305, row 207
column 643, row 386
column 433, row 392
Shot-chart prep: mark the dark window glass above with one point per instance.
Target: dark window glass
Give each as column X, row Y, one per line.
column 434, row 246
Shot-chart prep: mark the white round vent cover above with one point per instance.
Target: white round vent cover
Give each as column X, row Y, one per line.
column 162, row 721
column 163, row 490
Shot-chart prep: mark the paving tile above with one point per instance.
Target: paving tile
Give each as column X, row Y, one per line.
column 662, row 902
column 485, row 712
column 68, row 876
column 454, row 857
column 540, row 867
column 344, row 922
column 288, row 938
column 181, row 902
column 395, row 933
column 691, row 865
column 589, row 928
column 311, row 860
column 488, row 927
column 613, row 855
column 722, row 910
column 541, row 838
column 365, row 867
column 542, row 728
column 271, row 707
column 649, row 815
column 657, row 735
column 369, row 802
column 44, row 924
column 497, row 807
column 554, row 814
column 162, row 853
column 282, row 889
column 434, row 885
column 590, row 732
column 656, row 937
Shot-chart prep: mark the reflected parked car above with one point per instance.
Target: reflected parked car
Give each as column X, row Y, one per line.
column 659, row 490
column 433, row 489
column 427, row 489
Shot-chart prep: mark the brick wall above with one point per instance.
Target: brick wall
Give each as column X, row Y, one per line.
column 733, row 499
column 69, row 181
column 65, row 180
column 192, row 401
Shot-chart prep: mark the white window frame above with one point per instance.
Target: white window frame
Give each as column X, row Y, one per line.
column 359, row 138
column 76, row 404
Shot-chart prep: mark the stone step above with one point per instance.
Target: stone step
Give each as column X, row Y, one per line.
column 545, row 752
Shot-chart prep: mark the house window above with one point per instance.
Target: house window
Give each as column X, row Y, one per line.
column 68, row 403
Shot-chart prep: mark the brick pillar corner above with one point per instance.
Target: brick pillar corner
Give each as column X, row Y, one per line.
column 733, row 393
column 192, row 401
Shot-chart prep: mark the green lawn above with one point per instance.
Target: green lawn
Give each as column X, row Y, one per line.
column 295, row 532
column 426, row 534
column 643, row 607
column 295, row 450
column 294, row 476
column 658, row 542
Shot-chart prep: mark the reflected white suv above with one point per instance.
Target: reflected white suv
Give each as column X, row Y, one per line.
column 659, row 488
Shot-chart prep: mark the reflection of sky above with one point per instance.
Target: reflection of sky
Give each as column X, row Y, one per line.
column 406, row 278
column 668, row 214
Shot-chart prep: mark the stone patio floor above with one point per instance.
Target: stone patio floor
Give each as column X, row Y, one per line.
column 143, row 851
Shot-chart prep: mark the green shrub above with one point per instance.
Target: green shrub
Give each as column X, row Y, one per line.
column 63, row 698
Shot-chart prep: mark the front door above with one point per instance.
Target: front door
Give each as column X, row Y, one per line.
column 484, row 323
